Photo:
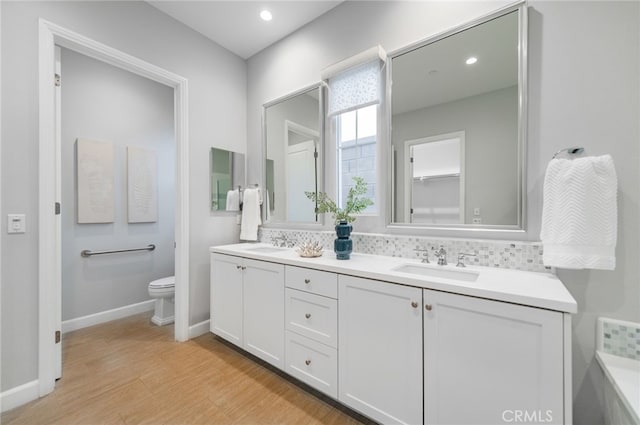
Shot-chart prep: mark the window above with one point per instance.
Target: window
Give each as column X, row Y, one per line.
column 357, row 151
column 354, row 91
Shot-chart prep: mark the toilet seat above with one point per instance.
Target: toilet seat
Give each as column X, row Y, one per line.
column 165, row 282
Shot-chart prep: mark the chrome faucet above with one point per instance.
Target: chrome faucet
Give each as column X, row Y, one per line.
column 279, row 238
column 425, row 255
column 289, row 243
column 441, row 254
column 283, row 241
column 461, row 257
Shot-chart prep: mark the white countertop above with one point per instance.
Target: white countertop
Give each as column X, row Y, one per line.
column 624, row 375
column 542, row 290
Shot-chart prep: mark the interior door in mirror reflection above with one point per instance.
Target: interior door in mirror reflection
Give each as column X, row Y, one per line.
column 292, row 147
column 435, row 168
column 301, row 178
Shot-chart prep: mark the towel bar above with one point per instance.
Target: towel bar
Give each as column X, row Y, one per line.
column 576, row 150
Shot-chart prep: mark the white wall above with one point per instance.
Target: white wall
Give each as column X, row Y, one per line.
column 490, row 123
column 217, row 108
column 102, row 102
column 583, row 89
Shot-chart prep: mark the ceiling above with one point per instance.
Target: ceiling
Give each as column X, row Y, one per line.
column 236, row 25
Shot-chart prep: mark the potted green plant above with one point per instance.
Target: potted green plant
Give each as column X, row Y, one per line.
column 356, row 203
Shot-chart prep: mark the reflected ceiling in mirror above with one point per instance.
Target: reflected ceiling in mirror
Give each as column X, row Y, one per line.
column 292, row 137
column 457, row 127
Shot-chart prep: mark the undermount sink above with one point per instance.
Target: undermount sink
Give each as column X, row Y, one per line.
column 467, row 275
column 266, row 249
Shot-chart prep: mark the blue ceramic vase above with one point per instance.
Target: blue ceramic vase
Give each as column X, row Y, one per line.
column 343, row 245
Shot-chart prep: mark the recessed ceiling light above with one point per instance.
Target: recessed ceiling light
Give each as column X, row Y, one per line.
column 266, row 15
column 471, row 60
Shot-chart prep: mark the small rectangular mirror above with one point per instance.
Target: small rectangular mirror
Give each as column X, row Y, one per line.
column 227, row 175
column 293, row 159
column 457, row 119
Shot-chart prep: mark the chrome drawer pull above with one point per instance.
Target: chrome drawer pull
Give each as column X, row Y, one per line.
column 307, row 362
column 414, row 304
column 428, row 307
column 307, row 281
column 308, row 316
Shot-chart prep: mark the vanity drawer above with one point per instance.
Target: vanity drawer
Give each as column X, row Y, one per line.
column 311, row 315
column 313, row 363
column 314, row 281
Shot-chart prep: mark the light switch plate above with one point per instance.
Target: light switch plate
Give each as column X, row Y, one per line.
column 476, row 211
column 16, row 223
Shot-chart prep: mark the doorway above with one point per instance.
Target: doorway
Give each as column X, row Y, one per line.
column 118, row 190
column 50, row 36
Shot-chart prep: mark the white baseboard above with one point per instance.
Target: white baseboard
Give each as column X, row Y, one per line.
column 107, row 316
column 198, row 329
column 19, row 395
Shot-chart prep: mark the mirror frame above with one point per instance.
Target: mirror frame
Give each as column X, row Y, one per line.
column 318, row 225
column 521, row 9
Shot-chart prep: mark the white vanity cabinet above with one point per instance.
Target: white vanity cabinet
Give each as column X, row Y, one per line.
column 311, row 321
column 402, row 349
column 247, row 305
column 380, row 349
column 486, row 361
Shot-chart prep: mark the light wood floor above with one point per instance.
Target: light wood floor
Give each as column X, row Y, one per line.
column 131, row 372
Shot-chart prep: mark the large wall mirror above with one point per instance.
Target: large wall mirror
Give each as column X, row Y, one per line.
column 458, row 126
column 227, row 177
column 292, row 135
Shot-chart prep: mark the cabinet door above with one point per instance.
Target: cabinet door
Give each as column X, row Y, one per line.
column 380, row 349
column 264, row 311
column 226, row 297
column 487, row 361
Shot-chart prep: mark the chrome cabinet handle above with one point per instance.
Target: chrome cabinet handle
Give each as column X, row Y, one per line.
column 308, row 316
column 244, row 268
column 428, row 307
column 414, row 304
column 238, row 267
column 307, row 362
column 307, row 281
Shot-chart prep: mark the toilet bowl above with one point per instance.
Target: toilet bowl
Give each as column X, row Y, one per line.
column 163, row 290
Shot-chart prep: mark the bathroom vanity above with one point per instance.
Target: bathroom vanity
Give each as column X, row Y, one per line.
column 400, row 341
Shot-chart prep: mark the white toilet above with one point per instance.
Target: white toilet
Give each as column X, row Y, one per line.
column 163, row 290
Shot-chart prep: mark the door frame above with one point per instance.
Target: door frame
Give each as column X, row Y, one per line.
column 49, row 280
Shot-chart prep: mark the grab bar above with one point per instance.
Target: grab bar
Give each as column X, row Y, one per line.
column 89, row 253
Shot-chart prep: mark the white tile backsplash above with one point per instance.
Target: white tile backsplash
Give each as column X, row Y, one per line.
column 492, row 253
column 618, row 337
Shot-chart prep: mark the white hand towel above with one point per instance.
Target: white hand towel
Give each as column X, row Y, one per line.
column 250, row 215
column 580, row 213
column 233, row 200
